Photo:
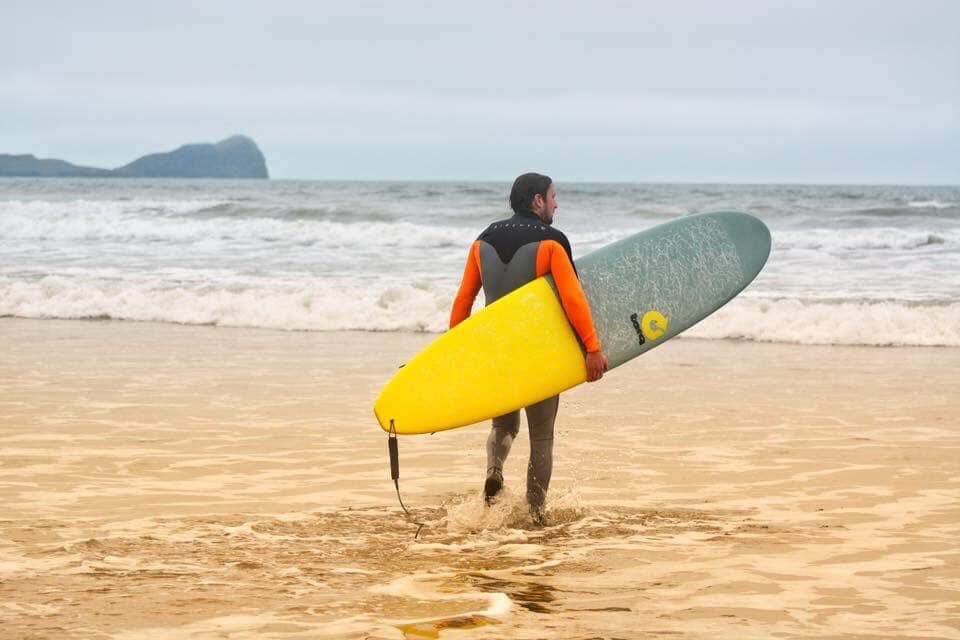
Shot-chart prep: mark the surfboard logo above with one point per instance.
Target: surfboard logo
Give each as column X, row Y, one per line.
column 651, row 326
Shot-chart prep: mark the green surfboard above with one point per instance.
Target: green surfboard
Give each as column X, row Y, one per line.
column 650, row 286
column 642, row 290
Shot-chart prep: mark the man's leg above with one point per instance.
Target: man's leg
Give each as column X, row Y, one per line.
column 505, row 429
column 540, row 419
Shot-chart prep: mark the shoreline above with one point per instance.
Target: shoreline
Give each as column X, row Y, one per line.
column 433, row 334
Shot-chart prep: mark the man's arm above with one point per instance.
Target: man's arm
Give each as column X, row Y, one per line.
column 554, row 258
column 469, row 287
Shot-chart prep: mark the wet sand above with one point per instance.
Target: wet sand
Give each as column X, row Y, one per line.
column 161, row 481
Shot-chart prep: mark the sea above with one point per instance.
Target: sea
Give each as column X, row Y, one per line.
column 850, row 265
column 163, row 475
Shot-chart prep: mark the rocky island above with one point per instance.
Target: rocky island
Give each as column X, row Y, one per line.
column 235, row 157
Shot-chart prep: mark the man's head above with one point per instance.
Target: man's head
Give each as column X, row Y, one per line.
column 534, row 193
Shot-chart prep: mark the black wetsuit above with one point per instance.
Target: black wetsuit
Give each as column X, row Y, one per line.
column 507, row 255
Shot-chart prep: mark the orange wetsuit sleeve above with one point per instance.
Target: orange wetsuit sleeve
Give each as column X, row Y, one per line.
column 552, row 258
column 469, row 287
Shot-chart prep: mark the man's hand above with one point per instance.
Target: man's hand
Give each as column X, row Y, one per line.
column 596, row 365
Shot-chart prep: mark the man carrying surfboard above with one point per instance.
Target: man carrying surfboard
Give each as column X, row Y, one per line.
column 507, row 255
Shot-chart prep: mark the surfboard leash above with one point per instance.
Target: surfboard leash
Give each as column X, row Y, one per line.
column 395, row 473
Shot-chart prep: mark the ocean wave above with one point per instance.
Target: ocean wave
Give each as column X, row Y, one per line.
column 424, row 306
column 835, row 322
column 14, row 212
column 319, row 305
column 847, row 195
column 214, row 210
column 231, row 212
column 118, row 222
column 933, row 204
column 204, row 222
column 56, row 209
column 912, row 210
column 863, row 239
column 475, row 190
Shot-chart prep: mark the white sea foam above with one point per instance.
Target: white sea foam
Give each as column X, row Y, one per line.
column 932, row 204
column 331, row 305
column 796, row 321
column 324, row 305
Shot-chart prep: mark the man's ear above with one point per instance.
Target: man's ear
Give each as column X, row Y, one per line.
column 537, row 202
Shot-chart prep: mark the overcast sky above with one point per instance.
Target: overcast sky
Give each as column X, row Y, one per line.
column 738, row 91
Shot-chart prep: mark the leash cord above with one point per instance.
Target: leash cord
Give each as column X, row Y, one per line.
column 395, row 474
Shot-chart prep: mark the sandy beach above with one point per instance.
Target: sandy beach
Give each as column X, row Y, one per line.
column 165, row 481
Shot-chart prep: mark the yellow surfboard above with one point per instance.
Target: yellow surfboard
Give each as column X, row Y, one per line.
column 490, row 364
column 642, row 290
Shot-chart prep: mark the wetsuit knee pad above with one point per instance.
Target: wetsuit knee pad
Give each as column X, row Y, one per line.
column 509, row 422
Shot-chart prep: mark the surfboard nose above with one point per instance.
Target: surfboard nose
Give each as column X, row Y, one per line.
column 751, row 238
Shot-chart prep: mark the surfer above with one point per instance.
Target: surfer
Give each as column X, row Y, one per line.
column 507, row 255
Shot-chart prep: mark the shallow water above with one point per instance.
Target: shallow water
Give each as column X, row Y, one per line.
column 194, row 482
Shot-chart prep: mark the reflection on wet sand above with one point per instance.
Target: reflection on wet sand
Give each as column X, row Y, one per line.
column 532, row 596
column 429, row 629
column 160, row 481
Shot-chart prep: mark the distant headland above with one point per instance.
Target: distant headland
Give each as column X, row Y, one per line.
column 235, row 157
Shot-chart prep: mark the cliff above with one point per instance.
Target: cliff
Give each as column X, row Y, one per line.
column 236, row 157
